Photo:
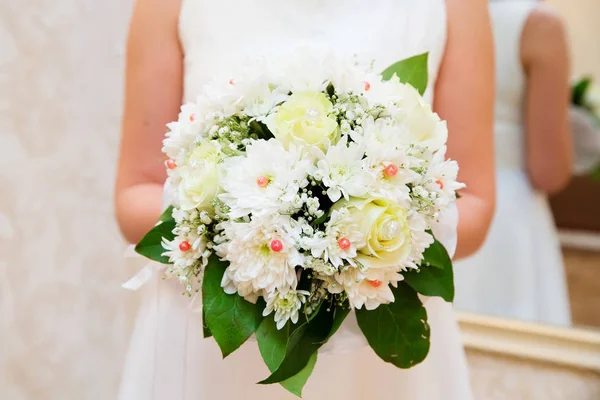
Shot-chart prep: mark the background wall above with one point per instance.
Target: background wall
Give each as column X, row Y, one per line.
column 582, row 18
column 507, row 378
column 64, row 320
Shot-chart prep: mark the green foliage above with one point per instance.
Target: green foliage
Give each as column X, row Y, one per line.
column 151, row 245
column 397, row 332
column 272, row 344
column 230, row 318
column 435, row 277
column 412, row 71
column 579, row 91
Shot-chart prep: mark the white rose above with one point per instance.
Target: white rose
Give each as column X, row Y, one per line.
column 305, row 118
column 384, row 225
column 200, row 177
column 422, row 126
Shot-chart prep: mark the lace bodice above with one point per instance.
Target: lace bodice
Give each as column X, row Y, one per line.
column 219, row 35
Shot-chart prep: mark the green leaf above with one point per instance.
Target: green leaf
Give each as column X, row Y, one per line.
column 412, row 71
column 330, row 90
column 397, row 332
column 296, row 383
column 435, row 277
column 272, row 344
column 167, row 215
column 260, row 130
column 303, row 342
column 230, row 318
column 321, row 219
column 339, row 315
column 579, row 91
column 151, row 245
column 206, row 333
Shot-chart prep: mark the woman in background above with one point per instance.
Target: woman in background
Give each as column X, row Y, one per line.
column 519, row 272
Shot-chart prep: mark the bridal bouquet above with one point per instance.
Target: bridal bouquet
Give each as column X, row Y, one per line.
column 303, row 190
column 585, row 125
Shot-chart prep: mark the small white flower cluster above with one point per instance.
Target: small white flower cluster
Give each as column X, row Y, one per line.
column 314, row 183
column 189, row 251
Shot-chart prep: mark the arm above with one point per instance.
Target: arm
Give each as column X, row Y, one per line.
column 464, row 97
column 545, row 56
column 153, row 92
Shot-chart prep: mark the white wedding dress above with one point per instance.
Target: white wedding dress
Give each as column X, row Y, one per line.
column 168, row 358
column 519, row 272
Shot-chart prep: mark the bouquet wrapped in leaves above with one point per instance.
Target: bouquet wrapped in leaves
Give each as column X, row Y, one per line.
column 303, row 190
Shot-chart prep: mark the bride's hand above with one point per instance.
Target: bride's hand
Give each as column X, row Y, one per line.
column 464, row 96
column 152, row 98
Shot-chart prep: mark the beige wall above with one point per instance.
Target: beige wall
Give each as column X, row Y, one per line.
column 64, row 320
column 507, row 378
column 583, row 22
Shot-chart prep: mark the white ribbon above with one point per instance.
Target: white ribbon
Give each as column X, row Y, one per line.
column 144, row 275
column 141, row 278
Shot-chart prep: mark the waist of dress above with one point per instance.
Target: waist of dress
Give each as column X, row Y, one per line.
column 509, row 144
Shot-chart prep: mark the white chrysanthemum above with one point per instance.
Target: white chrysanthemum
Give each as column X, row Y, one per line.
column 262, row 254
column 259, row 103
column 230, row 94
column 420, row 240
column 175, row 145
column 266, row 180
column 341, row 171
column 188, row 254
column 391, row 165
column 367, row 287
column 182, row 259
column 348, row 77
column 392, row 94
column 286, row 306
column 305, row 69
column 193, row 123
column 339, row 243
column 250, row 90
column 190, row 243
column 441, row 178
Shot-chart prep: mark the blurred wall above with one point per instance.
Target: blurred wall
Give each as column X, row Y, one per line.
column 64, row 320
column 582, row 17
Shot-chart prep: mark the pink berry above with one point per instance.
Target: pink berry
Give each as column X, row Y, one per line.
column 344, row 243
column 367, row 86
column 171, row 164
column 232, row 81
column 375, row 283
column 262, row 181
column 185, row 246
column 192, row 117
column 391, row 170
column 276, row 245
